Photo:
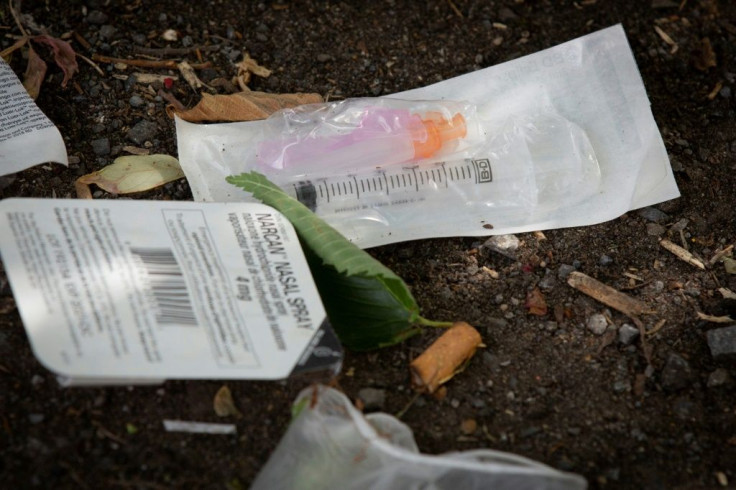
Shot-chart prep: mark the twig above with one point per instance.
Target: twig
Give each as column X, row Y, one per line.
column 657, row 327
column 169, row 97
column 714, row 319
column 147, row 63
column 18, row 44
column 81, row 40
column 102, row 430
column 175, row 51
column 16, row 18
column 406, row 408
column 455, row 9
column 720, row 254
column 91, row 63
column 682, row 254
column 607, row 295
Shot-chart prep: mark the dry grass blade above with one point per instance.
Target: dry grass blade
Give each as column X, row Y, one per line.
column 682, row 254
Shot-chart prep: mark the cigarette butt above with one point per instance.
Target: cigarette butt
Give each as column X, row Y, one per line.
column 445, row 357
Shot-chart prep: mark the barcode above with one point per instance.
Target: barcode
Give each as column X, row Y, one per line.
column 167, row 285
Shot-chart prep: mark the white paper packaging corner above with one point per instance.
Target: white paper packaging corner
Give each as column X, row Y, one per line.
column 592, row 81
column 132, row 292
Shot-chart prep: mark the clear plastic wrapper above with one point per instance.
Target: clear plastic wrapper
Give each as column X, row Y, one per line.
column 359, row 134
column 563, row 137
column 331, row 445
column 367, row 165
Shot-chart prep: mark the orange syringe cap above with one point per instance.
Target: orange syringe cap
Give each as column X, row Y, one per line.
column 435, row 130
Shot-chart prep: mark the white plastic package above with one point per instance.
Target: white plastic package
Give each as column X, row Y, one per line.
column 331, row 445
column 563, row 137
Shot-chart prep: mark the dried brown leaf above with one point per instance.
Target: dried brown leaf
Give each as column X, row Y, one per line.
column 190, row 76
column 249, row 65
column 535, row 303
column 64, row 55
column 223, row 403
column 35, row 73
column 131, row 174
column 703, row 55
column 243, row 106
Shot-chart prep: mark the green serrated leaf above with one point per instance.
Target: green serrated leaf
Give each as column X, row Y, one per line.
column 368, row 305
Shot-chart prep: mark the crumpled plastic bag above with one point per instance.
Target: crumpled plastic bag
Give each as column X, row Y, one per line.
column 331, row 445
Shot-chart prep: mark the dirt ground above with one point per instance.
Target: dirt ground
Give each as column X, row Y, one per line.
column 545, row 387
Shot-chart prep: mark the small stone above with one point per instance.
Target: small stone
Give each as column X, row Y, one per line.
column 605, row 260
column 323, row 57
column 722, row 343
column 597, row 324
column 548, row 282
column 187, row 41
column 503, row 244
column 142, row 132
column 36, row 418
column 653, row 229
column 574, row 431
column 680, row 225
column 725, row 92
column 101, row 146
column 564, row 271
column 505, row 14
column 468, row 427
column 718, row 378
column 36, row 380
column 454, row 403
column 136, row 101
column 653, row 214
column 622, row 386
column 627, row 334
column 107, row 31
column 97, row 17
column 529, row 431
column 676, row 374
column 373, row 398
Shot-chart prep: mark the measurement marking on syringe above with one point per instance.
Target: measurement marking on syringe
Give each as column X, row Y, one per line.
column 403, row 178
column 444, row 170
column 345, row 188
column 416, row 181
column 386, row 179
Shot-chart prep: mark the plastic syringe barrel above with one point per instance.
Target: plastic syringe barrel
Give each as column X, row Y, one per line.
column 387, row 136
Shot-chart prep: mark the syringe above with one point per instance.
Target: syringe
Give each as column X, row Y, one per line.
column 394, row 186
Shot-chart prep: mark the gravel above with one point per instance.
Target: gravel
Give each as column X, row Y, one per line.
column 597, row 324
column 373, row 399
column 722, row 343
column 718, row 378
column 101, row 146
column 627, row 334
column 653, row 214
column 676, row 374
column 142, row 132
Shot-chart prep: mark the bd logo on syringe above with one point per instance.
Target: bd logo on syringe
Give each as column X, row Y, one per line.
column 483, row 171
